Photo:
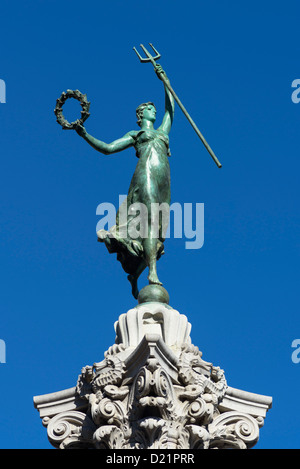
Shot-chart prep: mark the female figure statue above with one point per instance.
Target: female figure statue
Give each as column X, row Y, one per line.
column 150, row 186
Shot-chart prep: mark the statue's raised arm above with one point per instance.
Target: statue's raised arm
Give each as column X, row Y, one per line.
column 169, row 101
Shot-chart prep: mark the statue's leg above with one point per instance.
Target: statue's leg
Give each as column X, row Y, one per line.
column 150, row 252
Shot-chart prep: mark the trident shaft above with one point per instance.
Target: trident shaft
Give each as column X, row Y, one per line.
column 153, row 59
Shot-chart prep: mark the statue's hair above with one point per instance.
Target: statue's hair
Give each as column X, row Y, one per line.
column 140, row 111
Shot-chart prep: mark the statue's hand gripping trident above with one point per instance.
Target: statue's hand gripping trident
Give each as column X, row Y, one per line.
column 161, row 75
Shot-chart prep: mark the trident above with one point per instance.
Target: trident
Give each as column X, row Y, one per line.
column 152, row 59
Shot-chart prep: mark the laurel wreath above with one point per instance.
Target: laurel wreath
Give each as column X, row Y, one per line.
column 85, row 105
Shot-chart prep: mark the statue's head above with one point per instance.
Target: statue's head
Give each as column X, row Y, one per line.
column 145, row 111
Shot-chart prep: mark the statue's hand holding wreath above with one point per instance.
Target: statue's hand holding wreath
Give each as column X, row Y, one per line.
column 80, row 129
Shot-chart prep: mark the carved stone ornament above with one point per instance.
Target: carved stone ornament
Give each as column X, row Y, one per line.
column 153, row 390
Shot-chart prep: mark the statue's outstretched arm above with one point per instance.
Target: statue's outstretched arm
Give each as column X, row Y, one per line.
column 106, row 148
column 169, row 103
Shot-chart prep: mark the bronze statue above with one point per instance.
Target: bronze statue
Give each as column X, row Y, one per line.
column 150, row 184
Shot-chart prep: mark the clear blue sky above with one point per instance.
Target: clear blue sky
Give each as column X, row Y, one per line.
column 232, row 64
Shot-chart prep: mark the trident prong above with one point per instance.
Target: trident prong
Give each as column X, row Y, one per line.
column 163, row 77
column 150, row 57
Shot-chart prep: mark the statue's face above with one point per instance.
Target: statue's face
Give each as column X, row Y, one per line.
column 149, row 113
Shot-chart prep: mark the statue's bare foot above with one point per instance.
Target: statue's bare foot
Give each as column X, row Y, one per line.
column 153, row 279
column 134, row 288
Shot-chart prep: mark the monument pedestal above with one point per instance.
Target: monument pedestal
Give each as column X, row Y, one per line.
column 153, row 390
